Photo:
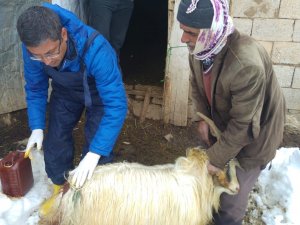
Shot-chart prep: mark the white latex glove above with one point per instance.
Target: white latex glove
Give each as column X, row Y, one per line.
column 85, row 169
column 36, row 137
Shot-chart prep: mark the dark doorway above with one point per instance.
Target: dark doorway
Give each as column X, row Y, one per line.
column 143, row 55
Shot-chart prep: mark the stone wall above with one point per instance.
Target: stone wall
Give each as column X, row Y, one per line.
column 12, row 95
column 276, row 25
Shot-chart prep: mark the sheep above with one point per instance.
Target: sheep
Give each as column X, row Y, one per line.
column 134, row 194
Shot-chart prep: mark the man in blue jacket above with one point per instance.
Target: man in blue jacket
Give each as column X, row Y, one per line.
column 85, row 76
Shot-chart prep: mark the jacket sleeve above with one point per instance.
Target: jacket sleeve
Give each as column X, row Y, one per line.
column 198, row 100
column 102, row 63
column 36, row 88
column 247, row 87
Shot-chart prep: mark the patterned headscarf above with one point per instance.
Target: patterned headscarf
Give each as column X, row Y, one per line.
column 211, row 41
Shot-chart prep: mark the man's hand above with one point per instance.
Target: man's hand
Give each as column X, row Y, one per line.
column 36, row 137
column 212, row 169
column 203, row 131
column 85, row 169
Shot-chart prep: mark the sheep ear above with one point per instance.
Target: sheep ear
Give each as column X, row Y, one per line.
column 182, row 162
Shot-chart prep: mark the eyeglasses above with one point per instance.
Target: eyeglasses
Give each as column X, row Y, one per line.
column 47, row 56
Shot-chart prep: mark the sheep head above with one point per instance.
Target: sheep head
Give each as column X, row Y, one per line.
column 227, row 179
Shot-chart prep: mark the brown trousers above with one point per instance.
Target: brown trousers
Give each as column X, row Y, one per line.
column 233, row 207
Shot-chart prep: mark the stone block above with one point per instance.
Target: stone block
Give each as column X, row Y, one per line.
column 286, row 53
column 284, row 75
column 292, row 98
column 267, row 45
column 255, row 9
column 296, row 35
column 292, row 111
column 296, row 80
column 295, row 114
column 157, row 101
column 139, row 97
column 273, row 29
column 243, row 25
column 290, row 9
column 154, row 111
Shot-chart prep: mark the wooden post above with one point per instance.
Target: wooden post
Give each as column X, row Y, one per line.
column 167, row 87
column 145, row 105
column 231, row 8
column 176, row 89
column 167, row 100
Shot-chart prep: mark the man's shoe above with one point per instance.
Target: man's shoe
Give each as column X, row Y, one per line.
column 47, row 204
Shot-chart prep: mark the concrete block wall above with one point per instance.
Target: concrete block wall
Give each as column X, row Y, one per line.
column 276, row 25
column 12, row 95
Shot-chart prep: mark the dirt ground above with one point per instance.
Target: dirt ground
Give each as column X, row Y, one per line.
column 138, row 142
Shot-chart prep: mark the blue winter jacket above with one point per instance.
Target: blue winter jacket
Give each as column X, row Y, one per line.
column 101, row 63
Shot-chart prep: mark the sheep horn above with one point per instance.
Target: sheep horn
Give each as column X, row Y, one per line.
column 213, row 128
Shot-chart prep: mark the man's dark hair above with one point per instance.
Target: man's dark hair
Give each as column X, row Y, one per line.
column 37, row 24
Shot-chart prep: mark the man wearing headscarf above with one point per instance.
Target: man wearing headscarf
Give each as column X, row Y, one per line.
column 234, row 84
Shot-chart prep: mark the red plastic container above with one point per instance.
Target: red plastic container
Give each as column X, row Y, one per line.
column 16, row 174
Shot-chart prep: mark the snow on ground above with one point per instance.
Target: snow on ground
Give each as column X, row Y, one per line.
column 277, row 197
column 23, row 211
column 279, row 189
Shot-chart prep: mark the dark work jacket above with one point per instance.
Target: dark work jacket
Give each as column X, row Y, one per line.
column 248, row 105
